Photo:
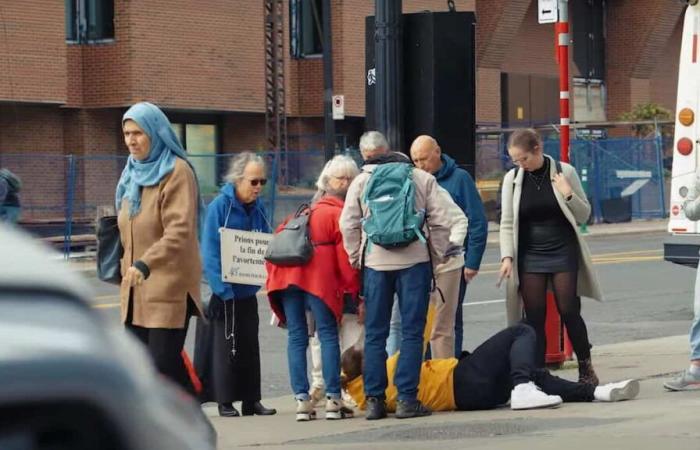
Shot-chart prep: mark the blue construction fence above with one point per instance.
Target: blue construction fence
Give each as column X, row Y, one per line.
column 63, row 195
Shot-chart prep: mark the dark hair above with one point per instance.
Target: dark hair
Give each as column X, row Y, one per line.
column 526, row 139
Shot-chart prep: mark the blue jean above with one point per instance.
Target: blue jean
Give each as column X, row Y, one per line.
column 295, row 303
column 412, row 286
column 695, row 327
column 459, row 320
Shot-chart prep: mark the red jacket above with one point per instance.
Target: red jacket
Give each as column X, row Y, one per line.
column 328, row 275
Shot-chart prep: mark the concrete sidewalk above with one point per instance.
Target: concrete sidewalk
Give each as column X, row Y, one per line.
column 656, row 420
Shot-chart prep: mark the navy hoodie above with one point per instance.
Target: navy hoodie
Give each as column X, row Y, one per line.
column 252, row 218
column 462, row 188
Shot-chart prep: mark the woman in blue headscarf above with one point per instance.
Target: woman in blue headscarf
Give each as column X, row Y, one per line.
column 159, row 208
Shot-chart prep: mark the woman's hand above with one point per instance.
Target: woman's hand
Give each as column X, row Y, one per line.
column 133, row 277
column 562, row 185
column 506, row 269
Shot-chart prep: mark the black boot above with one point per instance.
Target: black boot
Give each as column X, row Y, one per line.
column 256, row 408
column 408, row 409
column 376, row 408
column 227, row 410
column 586, row 374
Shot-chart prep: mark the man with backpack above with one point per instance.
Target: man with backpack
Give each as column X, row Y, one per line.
column 10, row 186
column 394, row 229
column 427, row 155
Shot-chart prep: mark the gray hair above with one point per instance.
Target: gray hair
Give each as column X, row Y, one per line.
column 238, row 165
column 373, row 142
column 339, row 166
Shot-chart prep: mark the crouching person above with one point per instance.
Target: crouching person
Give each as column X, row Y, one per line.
column 500, row 369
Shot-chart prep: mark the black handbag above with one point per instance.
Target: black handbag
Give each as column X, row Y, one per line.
column 109, row 250
column 292, row 245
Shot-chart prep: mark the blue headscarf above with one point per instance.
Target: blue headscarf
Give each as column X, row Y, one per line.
column 165, row 148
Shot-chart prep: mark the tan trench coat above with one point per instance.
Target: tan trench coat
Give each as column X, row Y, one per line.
column 164, row 236
column 576, row 210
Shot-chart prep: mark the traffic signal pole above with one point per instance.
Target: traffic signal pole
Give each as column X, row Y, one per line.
column 389, row 64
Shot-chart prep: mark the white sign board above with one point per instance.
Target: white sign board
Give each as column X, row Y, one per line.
column 547, row 11
column 338, row 107
column 242, row 256
column 641, row 178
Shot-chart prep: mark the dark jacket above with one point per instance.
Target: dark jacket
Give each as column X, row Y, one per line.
column 251, row 218
column 462, row 188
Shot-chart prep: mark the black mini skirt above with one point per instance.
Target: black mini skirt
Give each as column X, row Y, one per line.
column 548, row 249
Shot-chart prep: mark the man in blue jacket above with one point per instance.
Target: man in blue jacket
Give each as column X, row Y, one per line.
column 426, row 155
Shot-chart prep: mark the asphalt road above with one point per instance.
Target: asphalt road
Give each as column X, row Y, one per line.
column 645, row 298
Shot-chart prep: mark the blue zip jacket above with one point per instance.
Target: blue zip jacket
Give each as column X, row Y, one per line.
column 238, row 219
column 462, row 188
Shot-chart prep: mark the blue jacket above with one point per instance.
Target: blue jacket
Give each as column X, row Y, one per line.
column 462, row 188
column 239, row 219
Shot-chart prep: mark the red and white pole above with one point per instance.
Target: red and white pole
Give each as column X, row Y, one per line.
column 562, row 33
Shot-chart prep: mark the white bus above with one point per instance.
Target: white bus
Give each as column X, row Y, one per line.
column 683, row 244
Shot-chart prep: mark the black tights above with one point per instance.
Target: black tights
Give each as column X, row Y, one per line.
column 533, row 288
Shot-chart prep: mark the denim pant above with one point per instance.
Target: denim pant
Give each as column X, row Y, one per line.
column 295, row 303
column 695, row 327
column 412, row 285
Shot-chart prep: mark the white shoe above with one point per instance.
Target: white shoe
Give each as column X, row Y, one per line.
column 616, row 392
column 317, row 394
column 305, row 411
column 529, row 396
column 336, row 409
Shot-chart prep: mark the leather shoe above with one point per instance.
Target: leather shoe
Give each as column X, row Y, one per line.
column 376, row 408
column 256, row 408
column 228, row 410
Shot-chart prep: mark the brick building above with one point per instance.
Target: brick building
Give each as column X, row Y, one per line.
column 68, row 71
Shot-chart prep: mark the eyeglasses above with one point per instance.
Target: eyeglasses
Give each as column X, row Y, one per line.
column 255, row 181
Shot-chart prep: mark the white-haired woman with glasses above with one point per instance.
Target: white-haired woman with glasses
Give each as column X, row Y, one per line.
column 228, row 351
column 322, row 286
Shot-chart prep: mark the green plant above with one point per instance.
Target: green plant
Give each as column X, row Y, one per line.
column 648, row 111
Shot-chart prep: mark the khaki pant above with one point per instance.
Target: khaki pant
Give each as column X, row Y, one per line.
column 442, row 339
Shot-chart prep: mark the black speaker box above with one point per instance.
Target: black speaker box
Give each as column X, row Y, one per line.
column 439, row 74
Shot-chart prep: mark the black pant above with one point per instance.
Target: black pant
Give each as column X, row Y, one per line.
column 484, row 379
column 227, row 376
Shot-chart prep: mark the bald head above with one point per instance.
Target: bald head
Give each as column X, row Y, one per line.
column 425, row 153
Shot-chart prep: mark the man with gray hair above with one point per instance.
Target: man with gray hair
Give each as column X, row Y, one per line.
column 403, row 268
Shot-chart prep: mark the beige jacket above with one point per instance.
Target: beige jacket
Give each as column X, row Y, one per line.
column 164, row 236
column 437, row 226
column 575, row 210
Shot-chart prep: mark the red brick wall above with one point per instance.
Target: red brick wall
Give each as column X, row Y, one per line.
column 243, row 132
column 32, row 51
column 664, row 78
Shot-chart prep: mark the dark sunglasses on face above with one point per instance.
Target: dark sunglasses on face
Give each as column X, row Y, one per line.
column 255, row 181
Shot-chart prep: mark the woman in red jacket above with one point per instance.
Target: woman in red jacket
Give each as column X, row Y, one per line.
column 320, row 287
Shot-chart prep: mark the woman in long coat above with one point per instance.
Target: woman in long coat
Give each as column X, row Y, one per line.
column 227, row 349
column 159, row 206
column 541, row 245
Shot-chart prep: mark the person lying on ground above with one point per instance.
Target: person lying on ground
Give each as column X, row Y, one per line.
column 500, row 369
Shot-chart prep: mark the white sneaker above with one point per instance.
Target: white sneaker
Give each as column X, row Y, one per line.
column 616, row 392
column 336, row 409
column 529, row 396
column 305, row 411
column 685, row 381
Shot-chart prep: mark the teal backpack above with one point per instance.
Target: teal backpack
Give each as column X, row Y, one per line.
column 390, row 197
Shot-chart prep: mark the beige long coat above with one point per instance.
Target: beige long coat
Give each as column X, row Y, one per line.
column 577, row 210
column 164, row 236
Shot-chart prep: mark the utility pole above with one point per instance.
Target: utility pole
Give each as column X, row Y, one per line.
column 389, row 63
column 328, row 82
column 562, row 32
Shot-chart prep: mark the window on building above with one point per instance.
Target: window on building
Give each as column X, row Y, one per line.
column 306, row 28
column 89, row 21
column 201, row 142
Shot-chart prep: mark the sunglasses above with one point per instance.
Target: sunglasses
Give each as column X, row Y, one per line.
column 255, row 181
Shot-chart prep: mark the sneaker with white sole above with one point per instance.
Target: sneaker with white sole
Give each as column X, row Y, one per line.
column 685, row 381
column 617, row 392
column 529, row 396
column 336, row 409
column 305, row 411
